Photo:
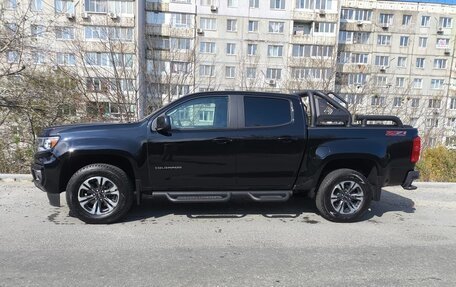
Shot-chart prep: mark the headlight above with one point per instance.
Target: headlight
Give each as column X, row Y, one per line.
column 47, row 143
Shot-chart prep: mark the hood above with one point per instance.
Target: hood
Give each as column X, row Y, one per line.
column 57, row 130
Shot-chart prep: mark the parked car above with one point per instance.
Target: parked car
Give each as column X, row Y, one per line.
column 208, row 147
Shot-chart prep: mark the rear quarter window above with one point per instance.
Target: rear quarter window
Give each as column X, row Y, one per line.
column 262, row 111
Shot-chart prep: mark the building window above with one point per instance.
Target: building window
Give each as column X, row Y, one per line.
column 420, row 62
column 453, row 104
column 66, row 59
column 432, row 123
column 353, row 58
column 415, row 102
column 381, row 81
column 434, row 104
column 357, row 79
column 252, row 49
column 404, row 41
column 251, row 73
column 310, row 73
column 180, row 20
column 64, row 6
column 311, row 4
column 406, row 19
column 114, row 6
column 401, row 62
column 118, row 60
column 10, row 4
column 384, row 40
column 422, row 42
column 400, row 82
column 445, row 22
column 37, row 5
column 231, row 25
column 254, row 3
column 64, row 33
column 230, row 48
column 382, row 61
column 206, row 2
column 442, row 43
column 253, row 26
column 353, row 99
column 180, row 67
column 425, row 21
column 386, row 19
column 351, row 14
column 437, row 84
column 108, row 33
column 417, row 83
column 230, row 71
column 324, row 27
column 208, row 24
column 37, row 31
column 232, row 3
column 207, row 70
column 377, row 101
column 451, row 122
column 180, row 43
column 277, row 4
column 440, row 63
column 207, row 47
column 38, row 57
column 450, row 141
column 275, row 50
column 276, row 27
column 397, row 102
column 273, row 73
column 300, row 51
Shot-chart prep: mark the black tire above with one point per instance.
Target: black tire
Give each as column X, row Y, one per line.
column 344, row 202
column 112, row 175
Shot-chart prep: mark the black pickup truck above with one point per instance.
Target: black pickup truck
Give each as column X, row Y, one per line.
column 208, row 147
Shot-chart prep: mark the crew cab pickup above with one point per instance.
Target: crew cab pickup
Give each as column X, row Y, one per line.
column 211, row 146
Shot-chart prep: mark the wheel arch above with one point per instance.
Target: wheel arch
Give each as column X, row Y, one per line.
column 366, row 166
column 77, row 162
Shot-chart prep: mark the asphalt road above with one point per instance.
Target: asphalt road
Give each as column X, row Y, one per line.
column 407, row 239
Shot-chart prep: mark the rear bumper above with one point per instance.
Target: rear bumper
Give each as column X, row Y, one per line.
column 411, row 176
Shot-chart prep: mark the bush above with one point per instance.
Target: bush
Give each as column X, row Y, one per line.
column 437, row 164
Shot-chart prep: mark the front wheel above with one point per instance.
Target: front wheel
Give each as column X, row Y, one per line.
column 99, row 193
column 343, row 196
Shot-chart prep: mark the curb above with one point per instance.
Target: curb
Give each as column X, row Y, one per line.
column 11, row 177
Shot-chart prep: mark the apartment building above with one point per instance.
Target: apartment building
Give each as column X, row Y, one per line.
column 91, row 41
column 392, row 57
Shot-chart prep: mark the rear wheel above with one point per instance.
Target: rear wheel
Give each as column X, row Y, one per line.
column 343, row 196
column 99, row 193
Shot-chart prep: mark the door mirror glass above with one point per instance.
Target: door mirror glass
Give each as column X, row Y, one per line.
column 163, row 124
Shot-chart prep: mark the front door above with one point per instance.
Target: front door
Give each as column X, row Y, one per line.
column 198, row 153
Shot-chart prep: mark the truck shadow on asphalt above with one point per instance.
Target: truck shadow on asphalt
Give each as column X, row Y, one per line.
column 296, row 206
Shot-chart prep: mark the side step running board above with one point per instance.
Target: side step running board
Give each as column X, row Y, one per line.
column 270, row 195
column 196, row 196
column 223, row 196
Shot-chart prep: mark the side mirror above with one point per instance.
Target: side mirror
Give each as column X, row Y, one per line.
column 163, row 124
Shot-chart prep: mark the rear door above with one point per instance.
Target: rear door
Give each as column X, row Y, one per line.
column 271, row 141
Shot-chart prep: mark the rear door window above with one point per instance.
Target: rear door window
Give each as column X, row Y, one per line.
column 263, row 111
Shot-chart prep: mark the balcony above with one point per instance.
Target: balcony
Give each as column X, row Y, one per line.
column 155, row 6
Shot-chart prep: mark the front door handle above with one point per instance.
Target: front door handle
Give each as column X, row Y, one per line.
column 222, row 140
column 285, row 139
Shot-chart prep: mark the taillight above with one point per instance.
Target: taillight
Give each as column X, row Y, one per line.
column 416, row 148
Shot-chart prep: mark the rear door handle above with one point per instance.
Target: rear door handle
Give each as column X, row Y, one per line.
column 285, row 139
column 222, row 140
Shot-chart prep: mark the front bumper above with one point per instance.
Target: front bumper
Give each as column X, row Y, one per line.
column 411, row 176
